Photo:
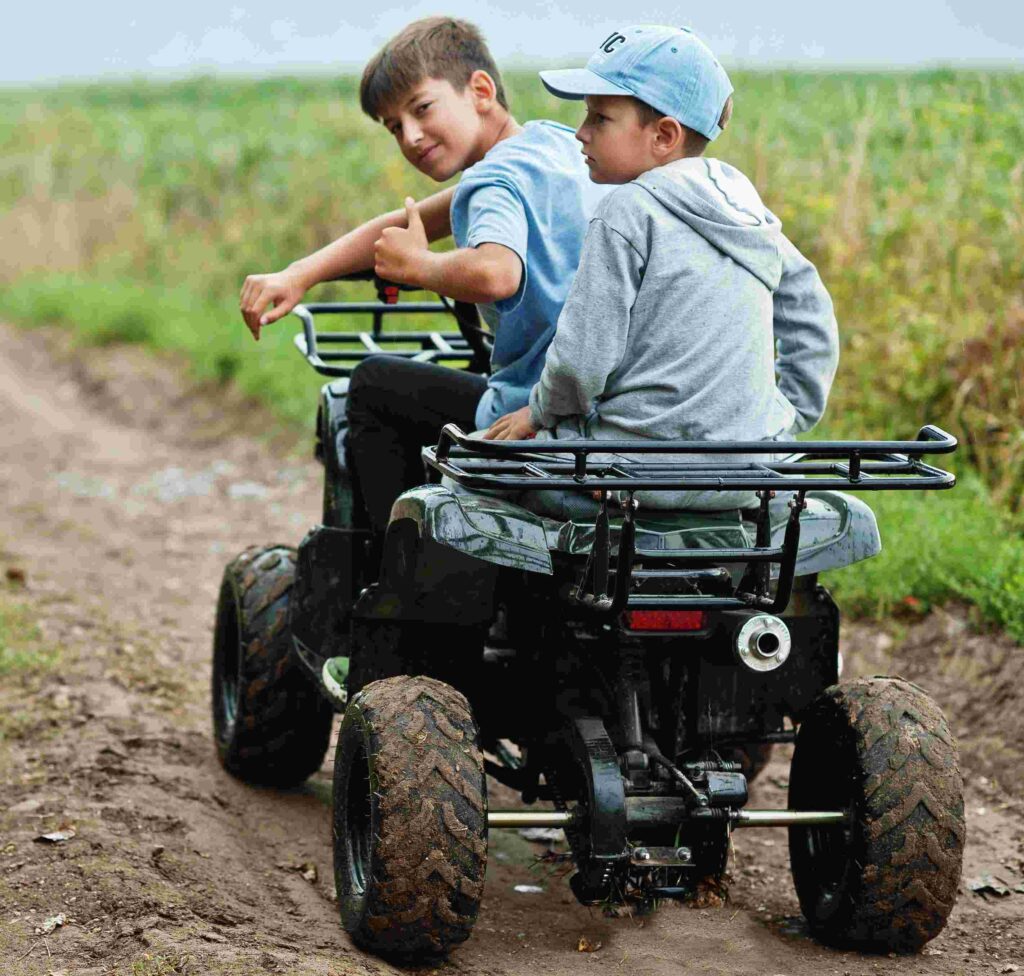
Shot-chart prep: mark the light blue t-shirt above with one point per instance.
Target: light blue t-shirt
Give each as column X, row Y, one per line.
column 531, row 193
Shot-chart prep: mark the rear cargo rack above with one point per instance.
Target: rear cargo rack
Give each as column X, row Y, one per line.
column 805, row 465
column 799, row 467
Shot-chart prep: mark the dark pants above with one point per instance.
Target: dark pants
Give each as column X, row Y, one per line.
column 394, row 407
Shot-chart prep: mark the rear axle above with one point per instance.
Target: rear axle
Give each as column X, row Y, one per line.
column 665, row 810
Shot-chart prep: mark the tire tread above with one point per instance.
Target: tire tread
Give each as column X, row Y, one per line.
column 908, row 801
column 430, row 852
column 283, row 726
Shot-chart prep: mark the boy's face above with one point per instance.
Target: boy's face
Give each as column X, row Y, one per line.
column 617, row 146
column 438, row 129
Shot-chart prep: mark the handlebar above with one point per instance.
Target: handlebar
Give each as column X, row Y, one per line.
column 387, row 291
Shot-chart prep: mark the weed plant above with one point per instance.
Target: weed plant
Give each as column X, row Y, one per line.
column 26, row 659
column 22, row 649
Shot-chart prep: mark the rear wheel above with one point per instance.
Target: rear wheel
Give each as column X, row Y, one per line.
column 271, row 725
column 880, row 749
column 410, row 818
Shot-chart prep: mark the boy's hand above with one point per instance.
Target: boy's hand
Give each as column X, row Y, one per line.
column 282, row 290
column 512, row 427
column 400, row 253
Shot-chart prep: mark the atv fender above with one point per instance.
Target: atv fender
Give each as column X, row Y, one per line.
column 329, row 449
column 836, row 530
column 442, row 554
column 481, row 526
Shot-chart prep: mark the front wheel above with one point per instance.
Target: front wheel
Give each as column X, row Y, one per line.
column 271, row 725
column 410, row 818
column 878, row 748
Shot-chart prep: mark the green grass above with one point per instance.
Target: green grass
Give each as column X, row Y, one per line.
column 22, row 649
column 25, row 660
column 132, row 212
column 161, row 964
column 938, row 546
column 175, row 320
column 906, row 189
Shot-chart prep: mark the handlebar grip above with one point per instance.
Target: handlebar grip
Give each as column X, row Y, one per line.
column 370, row 275
column 366, row 275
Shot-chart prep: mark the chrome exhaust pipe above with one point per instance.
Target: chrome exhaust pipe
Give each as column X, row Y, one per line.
column 762, row 642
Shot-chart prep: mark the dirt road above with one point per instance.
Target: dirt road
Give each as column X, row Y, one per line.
column 125, row 491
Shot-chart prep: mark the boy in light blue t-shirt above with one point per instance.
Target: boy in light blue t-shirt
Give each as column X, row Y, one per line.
column 518, row 217
column 530, row 194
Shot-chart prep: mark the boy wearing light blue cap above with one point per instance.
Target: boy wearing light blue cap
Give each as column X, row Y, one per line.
column 691, row 315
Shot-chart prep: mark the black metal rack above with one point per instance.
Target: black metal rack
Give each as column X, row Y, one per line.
column 804, row 466
column 331, row 353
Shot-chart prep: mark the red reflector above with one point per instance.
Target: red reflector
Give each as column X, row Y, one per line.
column 664, row 619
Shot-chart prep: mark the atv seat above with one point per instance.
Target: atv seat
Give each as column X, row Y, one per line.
column 837, row 529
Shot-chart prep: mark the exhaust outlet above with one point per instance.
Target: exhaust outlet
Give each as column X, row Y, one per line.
column 762, row 642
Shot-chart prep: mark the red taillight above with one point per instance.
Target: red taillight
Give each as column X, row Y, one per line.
column 664, row 620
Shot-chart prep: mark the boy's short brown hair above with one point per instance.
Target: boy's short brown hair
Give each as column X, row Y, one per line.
column 696, row 142
column 435, row 47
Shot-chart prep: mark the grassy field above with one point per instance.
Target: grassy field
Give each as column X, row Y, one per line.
column 133, row 212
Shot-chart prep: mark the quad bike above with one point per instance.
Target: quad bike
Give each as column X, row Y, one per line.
column 629, row 670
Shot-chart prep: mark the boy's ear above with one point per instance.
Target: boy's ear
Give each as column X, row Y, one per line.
column 483, row 89
column 669, row 135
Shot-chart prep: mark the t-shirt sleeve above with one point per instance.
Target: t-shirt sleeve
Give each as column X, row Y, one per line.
column 493, row 213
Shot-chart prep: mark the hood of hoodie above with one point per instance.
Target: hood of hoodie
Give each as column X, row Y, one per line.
column 718, row 202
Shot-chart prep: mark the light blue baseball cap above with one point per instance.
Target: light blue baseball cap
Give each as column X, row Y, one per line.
column 669, row 68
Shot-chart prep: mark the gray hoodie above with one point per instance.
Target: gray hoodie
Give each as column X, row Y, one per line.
column 691, row 317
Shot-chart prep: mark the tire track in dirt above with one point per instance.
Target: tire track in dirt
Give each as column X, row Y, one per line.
column 125, row 492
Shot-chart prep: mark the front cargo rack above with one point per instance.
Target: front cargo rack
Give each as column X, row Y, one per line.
column 584, row 466
column 337, row 353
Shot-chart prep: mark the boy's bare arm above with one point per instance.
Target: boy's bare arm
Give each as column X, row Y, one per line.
column 486, row 273
column 348, row 254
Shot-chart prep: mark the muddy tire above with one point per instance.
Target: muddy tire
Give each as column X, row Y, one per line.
column 880, row 749
column 271, row 726
column 410, row 818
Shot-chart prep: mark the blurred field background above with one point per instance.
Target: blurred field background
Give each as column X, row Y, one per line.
column 132, row 212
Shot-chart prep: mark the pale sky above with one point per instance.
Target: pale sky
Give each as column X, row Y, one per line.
column 111, row 38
